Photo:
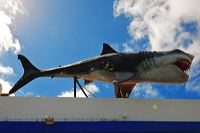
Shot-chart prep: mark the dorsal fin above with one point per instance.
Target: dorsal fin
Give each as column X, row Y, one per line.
column 107, row 49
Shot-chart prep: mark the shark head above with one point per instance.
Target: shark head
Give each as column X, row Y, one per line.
column 164, row 67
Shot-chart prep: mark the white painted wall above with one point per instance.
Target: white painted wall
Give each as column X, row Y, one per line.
column 96, row 109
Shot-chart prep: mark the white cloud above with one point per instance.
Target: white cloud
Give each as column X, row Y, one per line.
column 7, row 41
column 9, row 9
column 127, row 49
column 161, row 21
column 145, row 91
column 6, row 70
column 12, row 7
column 91, row 87
column 6, row 85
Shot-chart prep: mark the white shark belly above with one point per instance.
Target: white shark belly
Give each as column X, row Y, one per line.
column 101, row 75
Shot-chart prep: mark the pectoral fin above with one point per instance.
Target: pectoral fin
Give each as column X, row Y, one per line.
column 123, row 77
column 123, row 90
column 86, row 82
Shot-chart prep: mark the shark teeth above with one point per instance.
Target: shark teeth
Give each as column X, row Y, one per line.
column 187, row 71
column 184, row 65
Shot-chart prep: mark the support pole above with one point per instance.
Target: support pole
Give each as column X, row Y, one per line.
column 76, row 81
column 81, row 88
column 75, row 86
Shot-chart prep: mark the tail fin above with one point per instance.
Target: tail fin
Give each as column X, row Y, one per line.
column 30, row 73
column 27, row 65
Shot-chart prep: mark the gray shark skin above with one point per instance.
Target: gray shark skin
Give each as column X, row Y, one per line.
column 123, row 70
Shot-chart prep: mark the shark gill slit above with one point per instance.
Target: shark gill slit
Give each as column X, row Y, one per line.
column 147, row 55
column 142, row 57
column 151, row 60
column 147, row 65
column 151, row 66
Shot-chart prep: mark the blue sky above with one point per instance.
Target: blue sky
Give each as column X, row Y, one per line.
column 58, row 32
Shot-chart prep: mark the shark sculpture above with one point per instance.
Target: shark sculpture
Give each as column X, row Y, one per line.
column 123, row 70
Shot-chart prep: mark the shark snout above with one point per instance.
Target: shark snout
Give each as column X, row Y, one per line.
column 181, row 53
column 190, row 56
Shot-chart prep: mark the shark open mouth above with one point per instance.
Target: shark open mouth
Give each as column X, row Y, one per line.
column 183, row 65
